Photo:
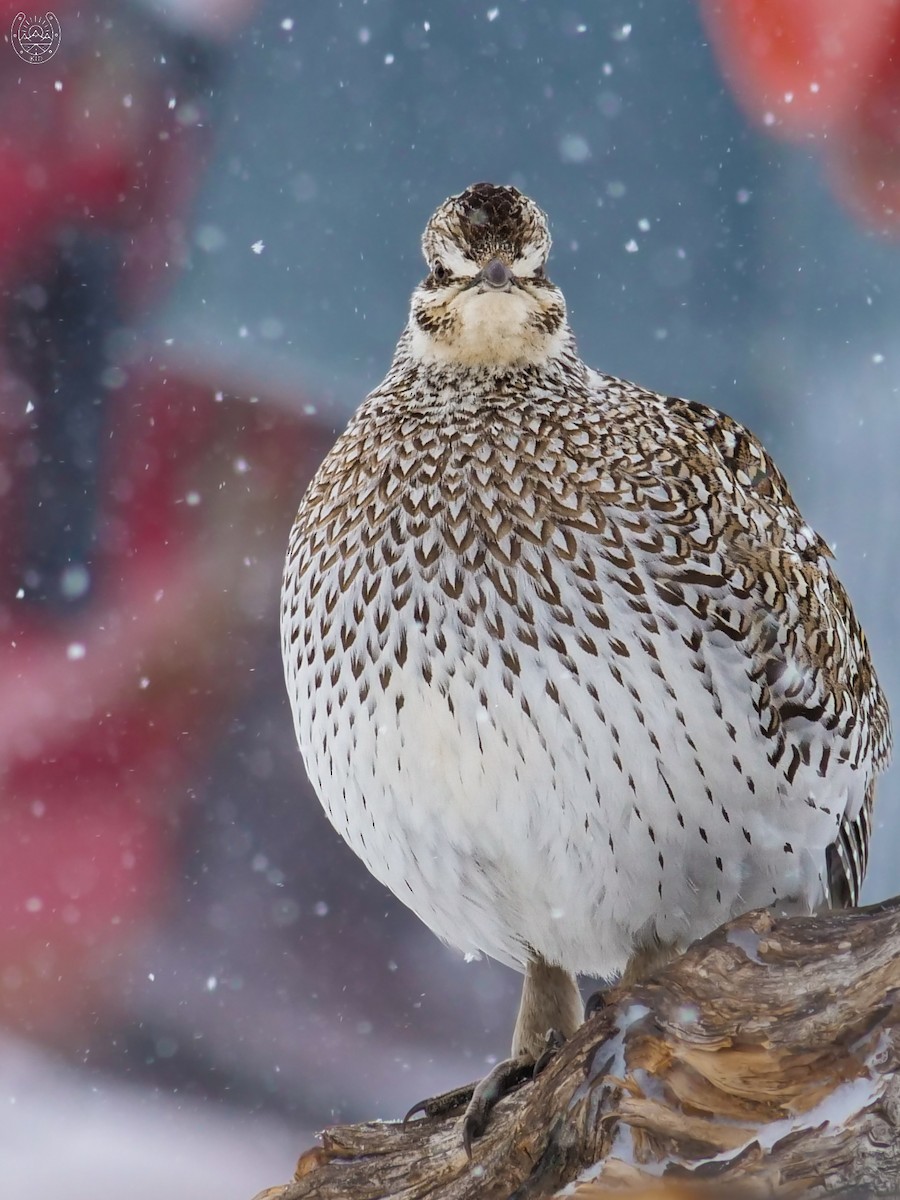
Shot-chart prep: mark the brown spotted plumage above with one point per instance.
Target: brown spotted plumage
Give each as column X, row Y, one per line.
column 569, row 671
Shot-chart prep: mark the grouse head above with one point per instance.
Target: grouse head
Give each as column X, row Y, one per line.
column 487, row 301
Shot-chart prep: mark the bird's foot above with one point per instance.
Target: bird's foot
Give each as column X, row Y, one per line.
column 498, row 1082
column 440, row 1106
column 482, row 1097
column 553, row 1043
column 595, row 1001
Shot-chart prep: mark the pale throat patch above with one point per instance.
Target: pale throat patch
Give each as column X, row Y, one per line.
column 488, row 329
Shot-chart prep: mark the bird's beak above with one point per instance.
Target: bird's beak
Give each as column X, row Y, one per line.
column 495, row 274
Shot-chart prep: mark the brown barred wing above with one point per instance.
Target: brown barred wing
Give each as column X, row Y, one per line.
column 848, row 856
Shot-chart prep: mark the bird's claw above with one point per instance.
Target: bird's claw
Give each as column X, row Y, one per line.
column 439, row 1106
column 481, row 1098
column 594, row 1003
column 498, row 1082
column 501, row 1080
column 420, row 1107
column 555, row 1042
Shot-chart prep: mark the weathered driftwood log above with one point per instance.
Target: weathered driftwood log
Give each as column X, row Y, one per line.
column 765, row 1059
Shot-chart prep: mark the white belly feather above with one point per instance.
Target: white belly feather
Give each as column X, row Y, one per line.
column 560, row 808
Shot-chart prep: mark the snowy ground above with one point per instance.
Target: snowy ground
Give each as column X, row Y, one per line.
column 64, row 1133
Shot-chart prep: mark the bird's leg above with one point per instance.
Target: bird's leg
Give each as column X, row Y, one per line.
column 645, row 961
column 550, row 1000
column 549, row 1012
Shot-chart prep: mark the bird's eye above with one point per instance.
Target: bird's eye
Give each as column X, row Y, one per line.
column 440, row 272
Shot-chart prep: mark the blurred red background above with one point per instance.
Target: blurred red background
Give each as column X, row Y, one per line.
column 828, row 70
column 134, row 548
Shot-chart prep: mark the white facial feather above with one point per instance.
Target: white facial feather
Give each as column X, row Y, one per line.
column 485, row 329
